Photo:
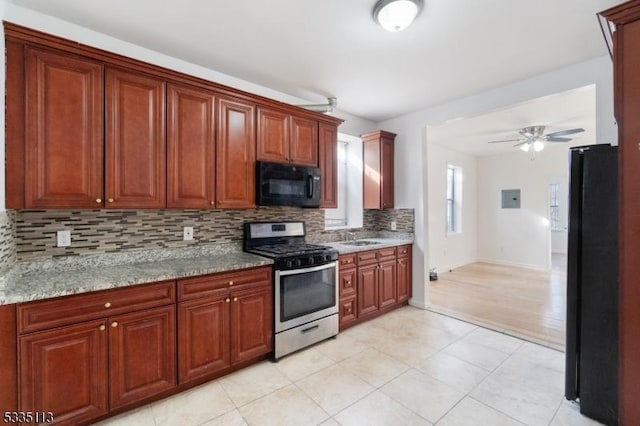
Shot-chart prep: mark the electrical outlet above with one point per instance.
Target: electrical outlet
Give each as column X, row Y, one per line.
column 187, row 233
column 64, row 238
column 394, row 226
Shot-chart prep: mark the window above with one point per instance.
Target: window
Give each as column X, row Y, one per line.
column 454, row 199
column 554, row 207
column 348, row 214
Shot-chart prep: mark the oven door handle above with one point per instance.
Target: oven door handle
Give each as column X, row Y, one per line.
column 306, row 270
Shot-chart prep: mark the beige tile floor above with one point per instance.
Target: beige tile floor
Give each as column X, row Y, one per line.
column 409, row 367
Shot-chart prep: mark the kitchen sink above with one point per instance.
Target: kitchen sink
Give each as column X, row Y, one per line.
column 360, row 243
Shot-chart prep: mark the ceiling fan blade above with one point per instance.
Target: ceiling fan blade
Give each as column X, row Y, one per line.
column 557, row 139
column 521, row 143
column 506, row 140
column 564, row 133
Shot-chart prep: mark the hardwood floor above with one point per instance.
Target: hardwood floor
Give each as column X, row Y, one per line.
column 525, row 303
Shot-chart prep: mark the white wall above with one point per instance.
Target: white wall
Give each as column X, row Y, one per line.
column 410, row 149
column 353, row 125
column 448, row 251
column 518, row 237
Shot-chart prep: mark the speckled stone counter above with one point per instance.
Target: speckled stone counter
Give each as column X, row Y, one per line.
column 381, row 242
column 53, row 278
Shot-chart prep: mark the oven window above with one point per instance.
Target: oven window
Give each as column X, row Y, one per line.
column 305, row 293
column 286, row 187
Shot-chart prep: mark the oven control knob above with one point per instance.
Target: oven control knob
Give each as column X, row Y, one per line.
column 311, row 261
column 289, row 264
column 298, row 262
column 327, row 257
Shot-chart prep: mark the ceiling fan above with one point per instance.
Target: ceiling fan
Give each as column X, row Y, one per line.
column 533, row 136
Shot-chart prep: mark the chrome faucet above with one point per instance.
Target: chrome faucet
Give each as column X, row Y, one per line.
column 349, row 236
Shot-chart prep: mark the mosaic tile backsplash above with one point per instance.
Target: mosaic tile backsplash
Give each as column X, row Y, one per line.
column 110, row 231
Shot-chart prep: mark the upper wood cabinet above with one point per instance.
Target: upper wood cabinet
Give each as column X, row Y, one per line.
column 286, row 138
column 64, row 137
column 235, row 154
column 191, row 148
column 378, row 170
column 328, row 162
column 135, row 140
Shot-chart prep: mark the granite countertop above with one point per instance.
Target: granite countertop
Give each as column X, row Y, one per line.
column 46, row 278
column 24, row 282
column 344, row 248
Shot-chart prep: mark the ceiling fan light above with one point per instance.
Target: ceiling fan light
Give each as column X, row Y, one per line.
column 538, row 146
column 525, row 147
column 396, row 15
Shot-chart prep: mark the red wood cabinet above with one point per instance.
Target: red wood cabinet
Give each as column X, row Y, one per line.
column 328, row 163
column 191, row 148
column 387, row 283
column 378, row 174
column 368, row 295
column 404, row 272
column 624, row 21
column 64, row 371
column 286, row 138
column 142, row 355
column 64, row 137
column 135, row 140
column 81, row 370
column 235, row 154
column 223, row 320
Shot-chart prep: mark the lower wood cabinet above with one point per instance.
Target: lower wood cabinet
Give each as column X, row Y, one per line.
column 82, row 370
column 373, row 282
column 223, row 320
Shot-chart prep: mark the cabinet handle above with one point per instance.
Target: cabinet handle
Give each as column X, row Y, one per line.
column 348, row 282
column 107, row 305
column 102, row 327
column 98, row 200
column 114, row 324
column 110, row 200
column 235, row 299
column 213, row 203
column 227, row 300
column 230, row 283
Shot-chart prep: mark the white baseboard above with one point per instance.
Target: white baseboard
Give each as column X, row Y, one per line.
column 514, row 264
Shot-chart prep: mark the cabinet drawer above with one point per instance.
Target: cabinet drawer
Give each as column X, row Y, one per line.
column 50, row 313
column 367, row 257
column 348, row 283
column 217, row 284
column 347, row 261
column 348, row 309
column 386, row 254
column 404, row 251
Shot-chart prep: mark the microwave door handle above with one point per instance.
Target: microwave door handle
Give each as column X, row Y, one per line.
column 309, row 186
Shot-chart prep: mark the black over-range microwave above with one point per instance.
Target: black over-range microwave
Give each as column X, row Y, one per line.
column 281, row 184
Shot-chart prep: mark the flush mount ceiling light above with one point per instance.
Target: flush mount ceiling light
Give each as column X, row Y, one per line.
column 396, row 15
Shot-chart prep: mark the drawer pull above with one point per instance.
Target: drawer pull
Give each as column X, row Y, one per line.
column 213, row 203
column 306, row 330
column 98, row 200
column 235, row 299
column 110, row 200
column 102, row 327
column 114, row 324
column 348, row 282
column 227, row 300
column 230, row 283
column 107, row 305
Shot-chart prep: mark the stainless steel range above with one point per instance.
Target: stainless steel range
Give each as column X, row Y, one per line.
column 306, row 283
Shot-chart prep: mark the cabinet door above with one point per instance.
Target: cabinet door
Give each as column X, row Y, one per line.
column 142, row 354
column 328, row 163
column 367, row 290
column 273, row 136
column 64, row 137
column 191, row 148
column 387, row 173
column 404, row 275
column 203, row 337
column 348, row 310
column 235, row 155
column 135, row 141
column 304, row 141
column 387, row 283
column 251, row 324
column 347, row 282
column 372, row 175
column 64, row 371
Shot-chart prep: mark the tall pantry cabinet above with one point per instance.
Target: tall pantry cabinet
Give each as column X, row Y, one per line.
column 621, row 27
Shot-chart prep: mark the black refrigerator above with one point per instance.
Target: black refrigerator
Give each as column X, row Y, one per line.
column 591, row 374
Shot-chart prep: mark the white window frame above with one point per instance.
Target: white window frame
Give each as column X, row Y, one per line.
column 453, row 200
